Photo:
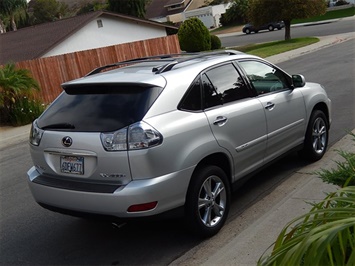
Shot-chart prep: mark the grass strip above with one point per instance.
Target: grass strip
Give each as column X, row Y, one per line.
column 334, row 14
column 271, row 48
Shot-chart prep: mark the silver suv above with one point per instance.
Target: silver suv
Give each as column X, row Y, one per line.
column 171, row 132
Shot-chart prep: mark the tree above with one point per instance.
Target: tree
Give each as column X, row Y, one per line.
column 10, row 8
column 48, row 10
column 264, row 11
column 237, row 13
column 194, row 36
column 92, row 6
column 134, row 8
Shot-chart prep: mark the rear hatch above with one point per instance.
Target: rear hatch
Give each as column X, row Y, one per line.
column 70, row 153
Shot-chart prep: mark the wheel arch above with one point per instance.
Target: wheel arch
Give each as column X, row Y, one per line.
column 219, row 159
column 321, row 106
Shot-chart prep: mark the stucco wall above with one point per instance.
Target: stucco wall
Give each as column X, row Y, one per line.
column 112, row 32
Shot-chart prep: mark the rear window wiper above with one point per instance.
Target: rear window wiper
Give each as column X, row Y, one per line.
column 59, row 126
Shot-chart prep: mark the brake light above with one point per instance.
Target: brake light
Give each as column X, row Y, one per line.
column 135, row 137
column 35, row 134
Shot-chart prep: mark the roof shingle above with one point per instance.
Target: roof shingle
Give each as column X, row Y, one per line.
column 33, row 42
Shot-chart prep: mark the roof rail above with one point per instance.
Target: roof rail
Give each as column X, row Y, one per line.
column 178, row 58
column 130, row 61
column 170, row 65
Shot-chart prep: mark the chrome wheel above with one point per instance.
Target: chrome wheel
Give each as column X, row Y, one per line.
column 207, row 201
column 316, row 137
column 212, row 201
column 319, row 135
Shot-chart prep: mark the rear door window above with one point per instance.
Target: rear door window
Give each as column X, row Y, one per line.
column 223, row 84
column 98, row 108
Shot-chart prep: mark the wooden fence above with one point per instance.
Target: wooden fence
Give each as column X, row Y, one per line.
column 51, row 72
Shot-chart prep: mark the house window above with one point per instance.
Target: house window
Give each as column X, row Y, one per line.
column 176, row 6
column 99, row 23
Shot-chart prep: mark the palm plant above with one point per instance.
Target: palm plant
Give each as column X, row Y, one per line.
column 15, row 84
column 324, row 236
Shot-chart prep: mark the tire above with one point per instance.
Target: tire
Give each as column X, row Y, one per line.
column 271, row 28
column 247, row 31
column 207, row 201
column 316, row 138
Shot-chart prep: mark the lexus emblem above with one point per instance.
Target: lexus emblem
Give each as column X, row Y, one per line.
column 67, row 141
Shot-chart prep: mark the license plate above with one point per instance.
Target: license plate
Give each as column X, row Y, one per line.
column 72, row 165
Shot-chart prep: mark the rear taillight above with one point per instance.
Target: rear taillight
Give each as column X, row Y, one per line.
column 35, row 134
column 135, row 137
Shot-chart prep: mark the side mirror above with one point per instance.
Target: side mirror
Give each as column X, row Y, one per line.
column 298, row 81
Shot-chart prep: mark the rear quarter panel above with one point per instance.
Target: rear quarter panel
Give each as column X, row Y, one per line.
column 187, row 138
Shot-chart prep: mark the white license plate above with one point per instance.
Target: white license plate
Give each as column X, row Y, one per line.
column 72, row 165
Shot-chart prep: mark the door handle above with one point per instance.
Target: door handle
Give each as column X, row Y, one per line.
column 220, row 121
column 269, row 106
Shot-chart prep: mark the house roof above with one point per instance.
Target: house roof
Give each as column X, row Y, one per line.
column 33, row 42
column 174, row 2
column 159, row 8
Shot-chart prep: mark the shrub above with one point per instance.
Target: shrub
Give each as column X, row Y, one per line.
column 215, row 42
column 324, row 236
column 194, row 36
column 17, row 95
column 25, row 110
column 344, row 174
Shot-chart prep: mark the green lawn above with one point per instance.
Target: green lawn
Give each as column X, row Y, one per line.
column 348, row 12
column 272, row 48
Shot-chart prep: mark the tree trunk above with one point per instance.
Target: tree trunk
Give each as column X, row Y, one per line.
column 287, row 29
column 13, row 23
column 2, row 26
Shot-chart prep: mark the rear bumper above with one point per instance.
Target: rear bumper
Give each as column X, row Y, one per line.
column 168, row 190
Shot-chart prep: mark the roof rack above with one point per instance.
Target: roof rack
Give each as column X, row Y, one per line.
column 178, row 58
column 170, row 65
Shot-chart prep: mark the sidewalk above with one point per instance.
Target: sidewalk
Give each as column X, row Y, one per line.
column 10, row 135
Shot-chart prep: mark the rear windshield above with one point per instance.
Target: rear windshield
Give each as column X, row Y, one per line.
column 98, row 108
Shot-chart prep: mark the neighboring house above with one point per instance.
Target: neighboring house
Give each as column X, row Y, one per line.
column 177, row 11
column 209, row 15
column 171, row 10
column 88, row 31
column 166, row 10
